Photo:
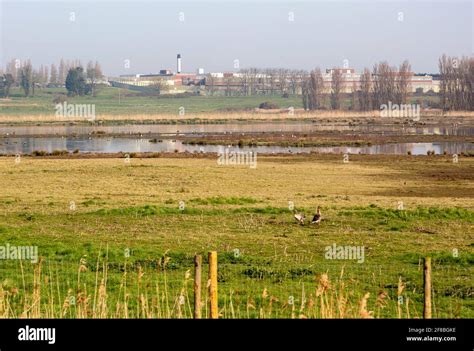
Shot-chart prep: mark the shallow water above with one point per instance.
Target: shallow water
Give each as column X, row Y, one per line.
column 231, row 128
column 27, row 145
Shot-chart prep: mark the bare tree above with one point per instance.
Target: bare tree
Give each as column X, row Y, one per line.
column 336, row 87
column 26, row 78
column 45, row 75
column 457, row 80
column 35, row 80
column 245, row 79
column 469, row 82
column 466, row 81
column 294, row 80
column 62, row 72
column 270, row 80
column 317, row 88
column 305, row 93
column 228, row 88
column 365, row 90
column 443, row 87
column 384, row 84
column 14, row 69
column 282, row 74
column 54, row 74
column 313, row 89
column 354, row 96
column 403, row 83
column 254, row 77
column 98, row 71
column 210, row 82
column 91, row 74
column 302, row 77
column 40, row 75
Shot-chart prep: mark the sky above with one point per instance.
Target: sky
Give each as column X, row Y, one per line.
column 129, row 37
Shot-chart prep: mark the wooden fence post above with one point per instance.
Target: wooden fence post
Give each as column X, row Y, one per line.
column 427, row 287
column 213, row 284
column 197, row 286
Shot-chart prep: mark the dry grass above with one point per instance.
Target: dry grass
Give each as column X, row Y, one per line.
column 277, row 180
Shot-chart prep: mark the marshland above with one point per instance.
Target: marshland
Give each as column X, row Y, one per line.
column 118, row 206
column 116, row 237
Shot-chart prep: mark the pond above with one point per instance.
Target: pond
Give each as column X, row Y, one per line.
column 229, row 128
column 26, row 145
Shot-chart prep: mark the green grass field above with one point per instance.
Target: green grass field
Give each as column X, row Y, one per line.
column 121, row 101
column 114, row 242
column 110, row 101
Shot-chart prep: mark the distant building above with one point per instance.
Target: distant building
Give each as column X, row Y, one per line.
column 165, row 80
column 351, row 80
column 262, row 82
column 424, row 84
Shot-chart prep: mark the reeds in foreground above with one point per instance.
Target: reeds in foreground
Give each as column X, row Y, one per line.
column 95, row 292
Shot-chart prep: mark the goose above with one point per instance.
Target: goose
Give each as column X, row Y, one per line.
column 299, row 217
column 317, row 217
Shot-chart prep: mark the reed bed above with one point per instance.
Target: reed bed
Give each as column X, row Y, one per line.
column 257, row 115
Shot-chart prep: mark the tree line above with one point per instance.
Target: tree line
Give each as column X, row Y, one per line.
column 381, row 85
column 70, row 74
column 457, row 83
column 386, row 83
column 255, row 81
column 374, row 88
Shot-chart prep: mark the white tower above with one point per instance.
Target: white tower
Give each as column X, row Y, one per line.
column 178, row 58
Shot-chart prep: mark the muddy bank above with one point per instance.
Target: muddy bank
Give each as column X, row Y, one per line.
column 324, row 128
column 318, row 139
column 295, row 139
column 64, row 155
column 427, row 117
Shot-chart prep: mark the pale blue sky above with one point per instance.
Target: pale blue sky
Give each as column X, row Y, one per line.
column 215, row 33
